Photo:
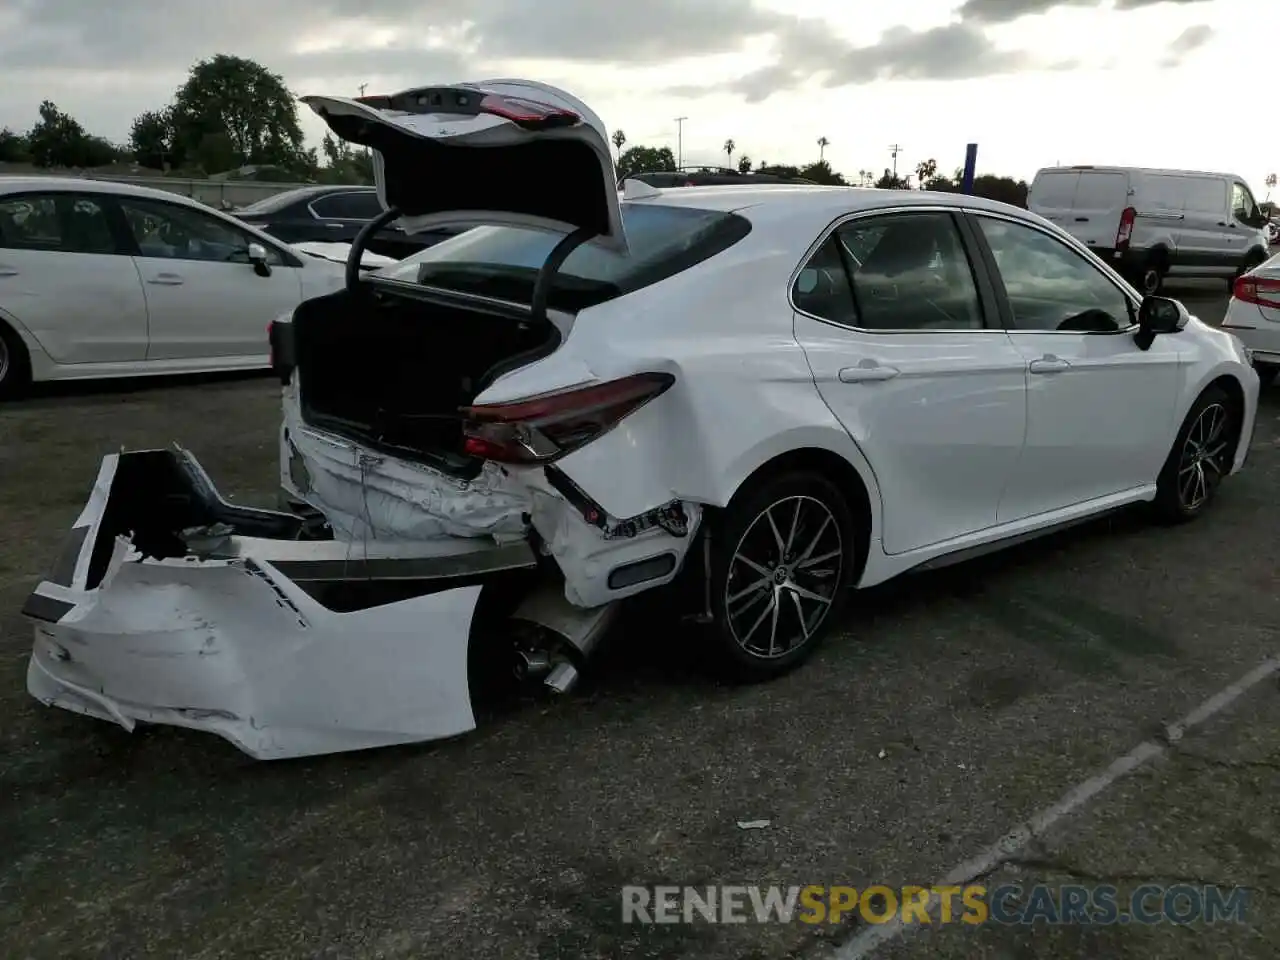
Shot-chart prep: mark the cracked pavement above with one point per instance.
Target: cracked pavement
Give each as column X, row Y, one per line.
column 990, row 689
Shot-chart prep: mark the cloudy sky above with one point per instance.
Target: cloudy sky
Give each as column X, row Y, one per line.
column 1034, row 82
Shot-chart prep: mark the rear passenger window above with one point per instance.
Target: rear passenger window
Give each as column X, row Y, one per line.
column 64, row 223
column 903, row 271
column 822, row 288
column 348, row 206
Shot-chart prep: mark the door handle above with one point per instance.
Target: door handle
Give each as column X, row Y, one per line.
column 334, row 226
column 8, row 271
column 166, row 280
column 1049, row 364
column 867, row 373
column 1082, row 219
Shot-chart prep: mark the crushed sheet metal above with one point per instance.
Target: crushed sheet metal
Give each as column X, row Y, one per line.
column 233, row 648
column 364, row 496
column 586, row 558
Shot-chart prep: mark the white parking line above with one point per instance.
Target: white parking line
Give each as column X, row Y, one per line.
column 866, row 942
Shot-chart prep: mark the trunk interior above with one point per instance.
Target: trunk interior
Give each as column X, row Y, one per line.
column 392, row 372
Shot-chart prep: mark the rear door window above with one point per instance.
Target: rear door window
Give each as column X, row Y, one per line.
column 1101, row 191
column 1055, row 191
column 348, row 206
column 1204, row 196
column 503, row 262
column 905, row 271
column 57, row 222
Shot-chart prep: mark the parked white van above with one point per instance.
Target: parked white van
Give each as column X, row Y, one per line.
column 1153, row 224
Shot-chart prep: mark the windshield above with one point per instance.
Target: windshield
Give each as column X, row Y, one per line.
column 503, row 262
column 277, row 201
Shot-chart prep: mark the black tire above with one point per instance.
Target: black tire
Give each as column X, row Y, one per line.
column 1254, row 261
column 1201, row 457
column 818, row 576
column 1266, row 373
column 15, row 365
column 1150, row 278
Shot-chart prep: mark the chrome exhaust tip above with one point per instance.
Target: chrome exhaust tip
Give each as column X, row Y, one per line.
column 563, row 678
column 531, row 664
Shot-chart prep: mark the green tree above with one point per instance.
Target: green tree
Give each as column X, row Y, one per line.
column 58, row 140
column 216, row 152
column 926, row 170
column 821, row 172
column 243, row 101
column 744, row 164
column 13, row 147
column 151, row 139
column 343, row 163
column 779, row 171
column 645, row 160
column 891, row 182
column 1003, row 189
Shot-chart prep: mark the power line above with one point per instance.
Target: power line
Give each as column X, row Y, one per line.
column 894, row 150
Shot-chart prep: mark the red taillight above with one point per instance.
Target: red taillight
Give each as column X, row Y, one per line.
column 528, row 113
column 542, row 429
column 1262, row 291
column 1126, row 228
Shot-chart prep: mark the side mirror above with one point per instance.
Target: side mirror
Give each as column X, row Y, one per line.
column 1159, row 315
column 258, row 257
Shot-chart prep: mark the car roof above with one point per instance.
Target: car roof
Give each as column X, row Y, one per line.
column 1141, row 171
column 29, row 184
column 793, row 215
column 801, row 199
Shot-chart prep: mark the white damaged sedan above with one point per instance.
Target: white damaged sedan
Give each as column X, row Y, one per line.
column 770, row 394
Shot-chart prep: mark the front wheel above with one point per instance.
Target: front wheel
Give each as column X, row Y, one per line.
column 783, row 560
column 1201, row 457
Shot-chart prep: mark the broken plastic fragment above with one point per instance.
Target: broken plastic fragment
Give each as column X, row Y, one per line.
column 753, row 824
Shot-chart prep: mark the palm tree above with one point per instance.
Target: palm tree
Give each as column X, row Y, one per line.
column 1271, row 185
column 729, row 147
column 926, row 170
column 863, row 176
column 823, row 143
column 619, row 138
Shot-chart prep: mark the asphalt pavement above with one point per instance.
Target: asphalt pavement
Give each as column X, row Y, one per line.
column 949, row 708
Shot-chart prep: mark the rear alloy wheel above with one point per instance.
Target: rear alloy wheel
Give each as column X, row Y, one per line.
column 782, row 567
column 15, row 370
column 1201, row 457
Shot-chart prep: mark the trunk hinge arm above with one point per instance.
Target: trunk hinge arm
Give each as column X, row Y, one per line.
column 551, row 266
column 356, row 255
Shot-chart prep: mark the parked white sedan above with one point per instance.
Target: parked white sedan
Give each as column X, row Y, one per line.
column 783, row 393
column 1253, row 315
column 101, row 279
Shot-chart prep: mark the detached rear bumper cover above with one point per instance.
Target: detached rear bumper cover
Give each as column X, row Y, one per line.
column 227, row 642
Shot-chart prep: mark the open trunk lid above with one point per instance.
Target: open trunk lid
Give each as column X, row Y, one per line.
column 510, row 152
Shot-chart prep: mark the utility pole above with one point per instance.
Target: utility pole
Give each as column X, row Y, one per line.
column 680, row 141
column 363, row 88
column 894, row 150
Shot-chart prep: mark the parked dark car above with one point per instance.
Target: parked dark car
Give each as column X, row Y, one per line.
column 703, row 177
column 334, row 215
